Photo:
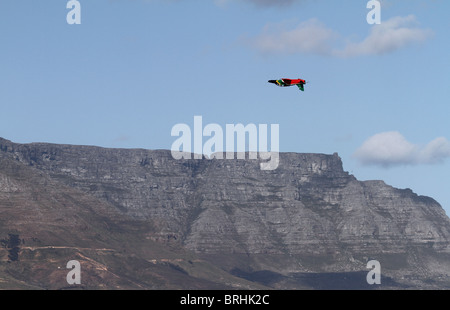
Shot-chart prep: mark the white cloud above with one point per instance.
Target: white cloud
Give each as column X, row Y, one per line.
column 308, row 37
column 387, row 37
column 436, row 151
column 389, row 149
column 313, row 37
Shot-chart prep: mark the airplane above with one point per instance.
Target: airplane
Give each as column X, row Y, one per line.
column 289, row 82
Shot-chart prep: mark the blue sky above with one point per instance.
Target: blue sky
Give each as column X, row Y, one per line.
column 378, row 94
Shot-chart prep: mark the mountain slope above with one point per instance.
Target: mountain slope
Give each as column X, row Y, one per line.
column 308, row 218
column 44, row 225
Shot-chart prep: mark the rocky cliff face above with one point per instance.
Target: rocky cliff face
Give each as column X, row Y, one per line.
column 306, row 216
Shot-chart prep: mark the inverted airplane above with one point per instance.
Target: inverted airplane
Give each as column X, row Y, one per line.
column 289, row 82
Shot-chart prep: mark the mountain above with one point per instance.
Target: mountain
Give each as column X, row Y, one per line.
column 140, row 219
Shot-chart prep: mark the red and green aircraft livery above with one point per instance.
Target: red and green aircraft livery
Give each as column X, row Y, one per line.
column 289, row 82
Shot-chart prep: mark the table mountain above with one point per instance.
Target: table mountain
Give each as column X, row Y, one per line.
column 212, row 223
